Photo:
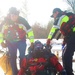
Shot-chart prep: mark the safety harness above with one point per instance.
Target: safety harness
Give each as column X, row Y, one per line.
column 68, row 27
column 13, row 32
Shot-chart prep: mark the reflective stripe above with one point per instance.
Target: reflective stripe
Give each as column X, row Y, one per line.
column 74, row 29
column 5, row 27
column 29, row 30
column 52, row 32
column 1, row 38
column 56, row 26
column 62, row 19
column 31, row 36
column 21, row 27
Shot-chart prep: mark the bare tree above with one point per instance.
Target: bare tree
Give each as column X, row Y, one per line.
column 71, row 4
column 24, row 9
column 39, row 32
column 1, row 16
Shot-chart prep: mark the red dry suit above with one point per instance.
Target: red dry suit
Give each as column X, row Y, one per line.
column 41, row 65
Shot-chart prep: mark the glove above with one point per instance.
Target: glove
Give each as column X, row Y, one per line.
column 3, row 45
column 48, row 41
column 32, row 46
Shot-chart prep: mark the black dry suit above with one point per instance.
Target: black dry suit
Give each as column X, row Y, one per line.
column 67, row 28
column 65, row 22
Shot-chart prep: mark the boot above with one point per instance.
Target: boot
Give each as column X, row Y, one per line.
column 63, row 72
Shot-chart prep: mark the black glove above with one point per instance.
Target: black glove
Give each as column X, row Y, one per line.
column 32, row 46
column 48, row 42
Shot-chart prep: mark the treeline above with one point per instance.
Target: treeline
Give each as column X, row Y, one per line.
column 41, row 32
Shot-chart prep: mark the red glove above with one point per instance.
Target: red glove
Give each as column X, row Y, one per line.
column 21, row 71
column 48, row 41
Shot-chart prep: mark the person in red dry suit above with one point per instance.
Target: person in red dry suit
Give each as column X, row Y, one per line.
column 40, row 62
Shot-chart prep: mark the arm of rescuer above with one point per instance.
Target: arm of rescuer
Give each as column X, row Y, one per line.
column 29, row 31
column 62, row 20
column 52, row 33
column 30, row 35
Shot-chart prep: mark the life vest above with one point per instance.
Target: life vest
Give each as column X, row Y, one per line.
column 66, row 28
column 14, row 32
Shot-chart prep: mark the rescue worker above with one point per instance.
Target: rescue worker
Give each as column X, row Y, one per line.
column 65, row 22
column 13, row 35
column 40, row 62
